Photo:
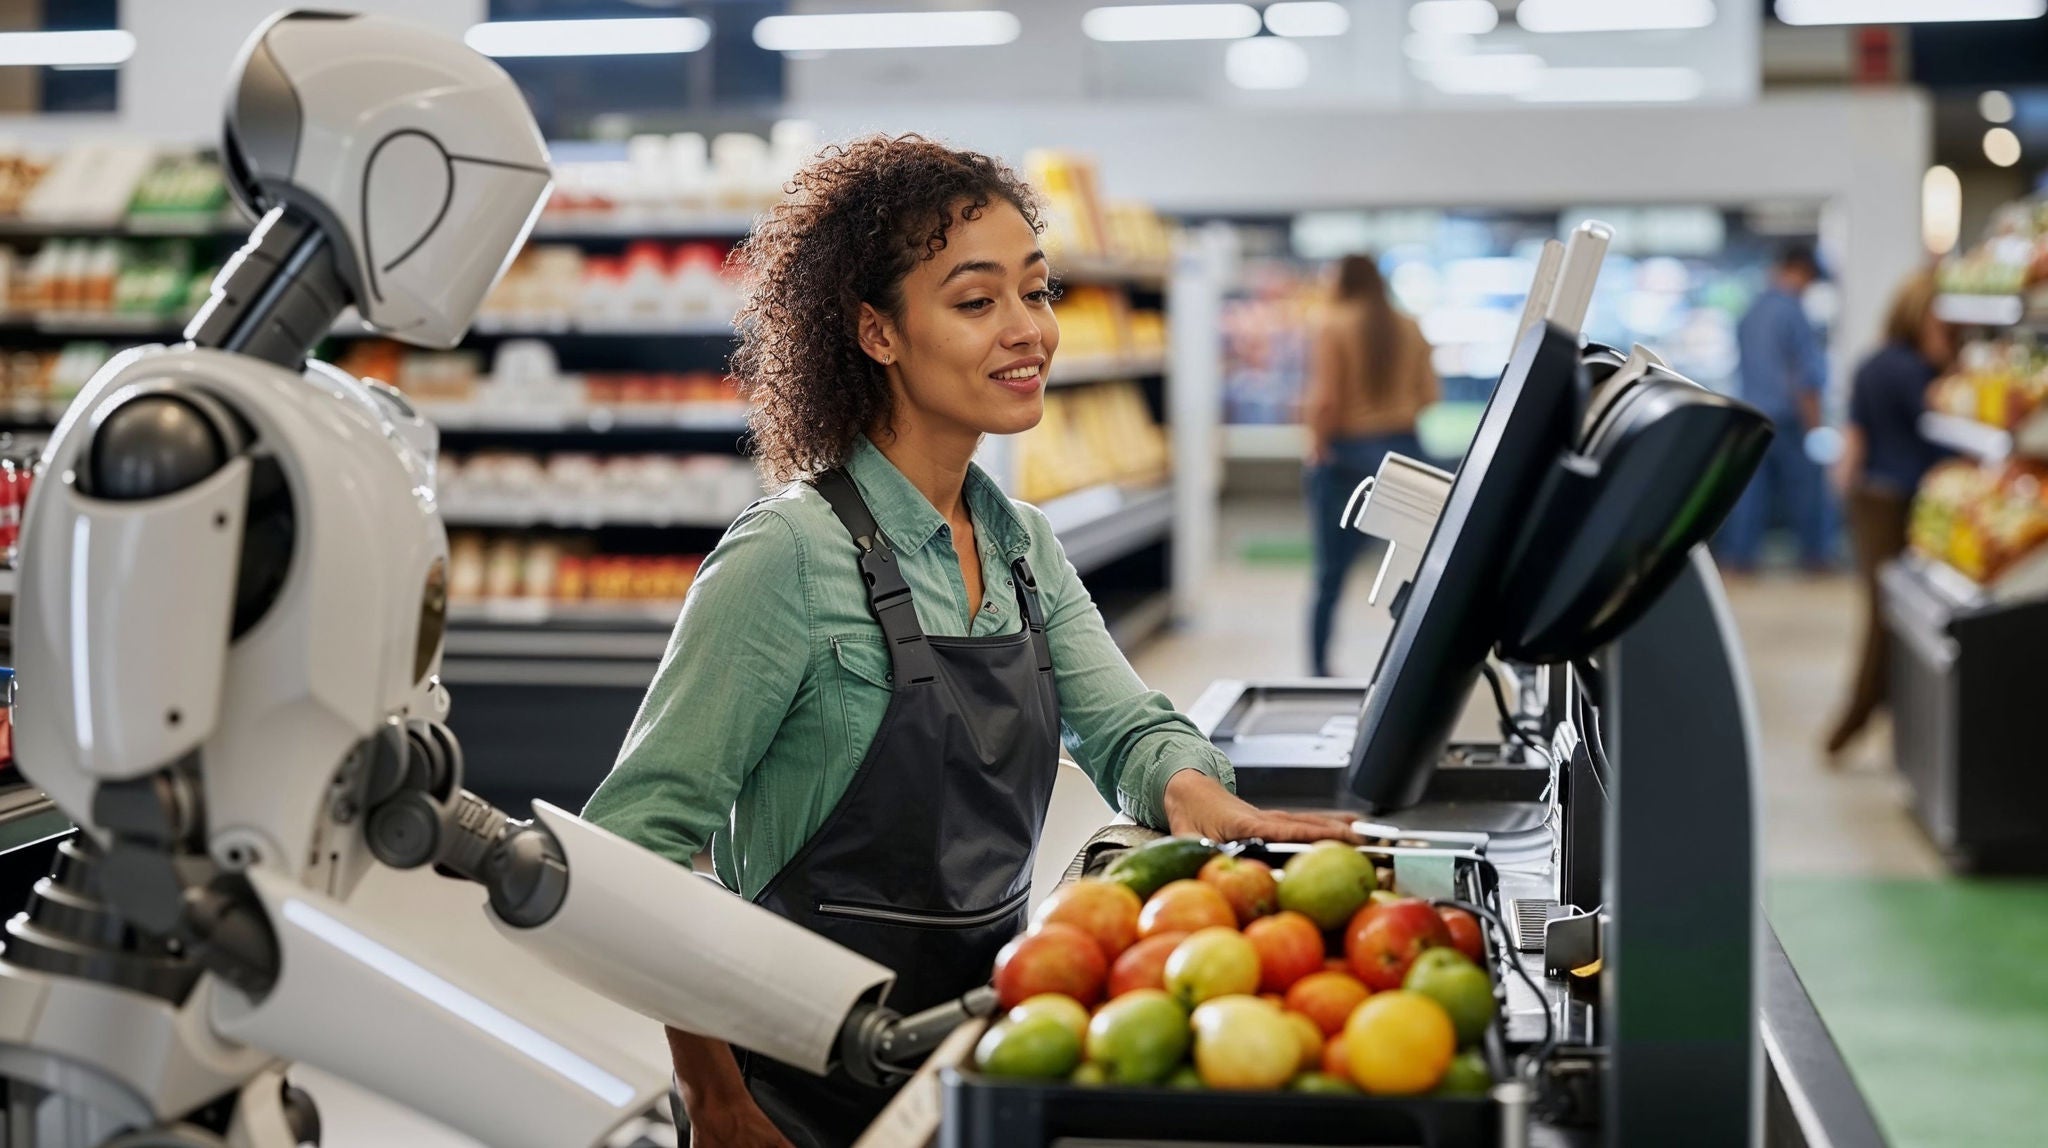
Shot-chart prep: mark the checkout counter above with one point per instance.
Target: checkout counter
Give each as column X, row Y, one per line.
column 1611, row 829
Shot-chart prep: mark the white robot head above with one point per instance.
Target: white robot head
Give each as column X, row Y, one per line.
column 416, row 154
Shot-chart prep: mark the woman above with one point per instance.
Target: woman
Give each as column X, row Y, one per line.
column 864, row 699
column 1884, row 456
column 1369, row 376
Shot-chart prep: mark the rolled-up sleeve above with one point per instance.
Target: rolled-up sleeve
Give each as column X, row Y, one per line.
column 1128, row 738
column 732, row 668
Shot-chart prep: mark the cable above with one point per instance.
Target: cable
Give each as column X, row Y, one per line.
column 1532, row 1062
column 1508, row 724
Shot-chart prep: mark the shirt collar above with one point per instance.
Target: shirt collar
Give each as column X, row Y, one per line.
column 909, row 519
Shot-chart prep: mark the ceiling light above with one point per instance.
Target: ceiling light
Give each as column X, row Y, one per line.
column 1308, row 18
column 1621, row 85
column 1497, row 74
column 1613, row 15
column 833, row 31
column 1941, row 210
column 1171, row 22
column 2002, row 147
column 1266, row 64
column 1906, row 11
column 1996, row 107
column 1453, row 17
column 101, row 48
column 657, row 36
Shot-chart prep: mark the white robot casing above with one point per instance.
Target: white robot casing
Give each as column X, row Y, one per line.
column 133, row 600
column 426, row 159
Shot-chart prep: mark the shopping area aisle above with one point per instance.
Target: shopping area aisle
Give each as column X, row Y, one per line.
column 1799, row 634
column 1910, row 967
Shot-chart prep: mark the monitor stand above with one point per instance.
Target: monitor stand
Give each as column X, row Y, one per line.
column 1680, row 863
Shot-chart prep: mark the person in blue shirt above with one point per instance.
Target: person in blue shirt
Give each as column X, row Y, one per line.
column 1884, row 457
column 1783, row 373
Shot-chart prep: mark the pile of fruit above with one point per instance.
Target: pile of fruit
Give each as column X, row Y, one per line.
column 2001, row 383
column 1185, row 967
column 1982, row 520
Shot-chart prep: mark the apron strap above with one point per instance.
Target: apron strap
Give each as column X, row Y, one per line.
column 888, row 594
column 1034, row 611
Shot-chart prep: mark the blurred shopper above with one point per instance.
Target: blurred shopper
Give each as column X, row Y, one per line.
column 1369, row 375
column 1883, row 459
column 1783, row 373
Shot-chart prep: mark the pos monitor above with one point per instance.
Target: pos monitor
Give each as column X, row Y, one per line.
column 1559, row 530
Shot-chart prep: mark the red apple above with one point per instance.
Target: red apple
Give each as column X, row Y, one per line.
column 1383, row 940
column 1290, row 948
column 1248, row 885
column 1464, row 929
column 1053, row 958
column 1143, row 965
column 1105, row 910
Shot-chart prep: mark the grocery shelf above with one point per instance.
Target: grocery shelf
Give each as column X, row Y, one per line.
column 1100, row 368
column 94, row 324
column 694, row 327
column 1981, row 310
column 1103, row 269
column 635, row 615
column 146, row 226
column 1967, row 436
column 645, row 225
column 1273, row 442
column 460, row 517
column 1131, row 623
column 1987, row 442
column 594, row 417
column 2024, row 580
column 1101, row 524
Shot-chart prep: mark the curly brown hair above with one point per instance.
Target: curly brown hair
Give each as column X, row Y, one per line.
column 853, row 224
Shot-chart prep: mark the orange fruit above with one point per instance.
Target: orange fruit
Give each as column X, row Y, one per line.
column 1327, row 998
column 1399, row 1043
column 1185, row 907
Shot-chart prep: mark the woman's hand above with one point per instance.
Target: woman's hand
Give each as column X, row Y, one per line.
column 736, row 1122
column 1197, row 805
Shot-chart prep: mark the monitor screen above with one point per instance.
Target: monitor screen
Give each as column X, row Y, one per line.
column 1452, row 612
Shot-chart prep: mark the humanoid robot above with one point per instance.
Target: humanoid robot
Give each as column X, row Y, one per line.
column 228, row 634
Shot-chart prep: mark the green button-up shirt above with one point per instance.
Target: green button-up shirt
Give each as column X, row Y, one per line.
column 776, row 676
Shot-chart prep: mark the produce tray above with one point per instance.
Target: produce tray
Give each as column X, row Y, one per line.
column 987, row 1112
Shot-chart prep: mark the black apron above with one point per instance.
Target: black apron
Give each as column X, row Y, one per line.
column 924, row 865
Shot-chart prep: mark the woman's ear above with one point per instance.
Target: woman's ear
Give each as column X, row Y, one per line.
column 877, row 335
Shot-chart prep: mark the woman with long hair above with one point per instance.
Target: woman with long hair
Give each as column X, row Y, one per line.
column 1369, row 377
column 1884, row 456
column 862, row 707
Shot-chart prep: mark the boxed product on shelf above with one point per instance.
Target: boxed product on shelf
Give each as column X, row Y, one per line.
column 181, row 190
column 551, row 286
column 36, row 386
column 526, row 388
column 20, row 171
column 2000, row 382
column 570, row 488
column 673, row 178
column 1100, row 322
column 90, row 183
column 1080, row 223
column 106, row 276
column 2012, row 256
column 1091, row 436
column 1981, row 520
column 485, row 568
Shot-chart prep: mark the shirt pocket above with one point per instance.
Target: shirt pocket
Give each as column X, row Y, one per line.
column 865, row 680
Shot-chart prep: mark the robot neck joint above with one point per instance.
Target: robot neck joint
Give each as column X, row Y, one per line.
column 278, row 296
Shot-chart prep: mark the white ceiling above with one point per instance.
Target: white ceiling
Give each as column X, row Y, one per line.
column 1052, row 60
